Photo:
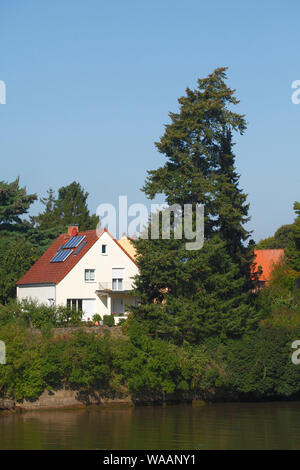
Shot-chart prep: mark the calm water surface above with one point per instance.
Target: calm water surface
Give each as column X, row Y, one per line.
column 217, row 426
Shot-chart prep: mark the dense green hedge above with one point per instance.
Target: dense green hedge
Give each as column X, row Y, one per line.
column 257, row 366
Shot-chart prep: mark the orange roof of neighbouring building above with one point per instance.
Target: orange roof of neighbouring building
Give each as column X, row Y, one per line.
column 266, row 259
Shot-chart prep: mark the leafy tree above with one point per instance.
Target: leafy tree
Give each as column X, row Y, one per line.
column 280, row 239
column 284, row 236
column 287, row 237
column 293, row 248
column 187, row 295
column 259, row 366
column 17, row 256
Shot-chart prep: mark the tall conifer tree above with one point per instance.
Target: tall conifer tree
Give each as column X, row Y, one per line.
column 189, row 295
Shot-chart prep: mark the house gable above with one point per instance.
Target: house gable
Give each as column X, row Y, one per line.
column 45, row 272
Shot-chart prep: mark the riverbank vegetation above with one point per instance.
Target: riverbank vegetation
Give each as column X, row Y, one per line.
column 203, row 328
column 254, row 367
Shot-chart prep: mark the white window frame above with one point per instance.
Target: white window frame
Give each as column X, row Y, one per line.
column 117, row 283
column 87, row 275
column 118, row 276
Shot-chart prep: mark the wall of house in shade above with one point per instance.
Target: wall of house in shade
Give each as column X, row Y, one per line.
column 42, row 293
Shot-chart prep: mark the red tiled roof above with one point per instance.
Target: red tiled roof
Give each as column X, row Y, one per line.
column 44, row 272
column 266, row 259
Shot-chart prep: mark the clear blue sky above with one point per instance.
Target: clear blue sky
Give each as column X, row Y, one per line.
column 90, row 84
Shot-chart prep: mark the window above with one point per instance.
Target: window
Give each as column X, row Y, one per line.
column 117, row 278
column 117, row 284
column 75, row 304
column 89, row 275
column 103, row 249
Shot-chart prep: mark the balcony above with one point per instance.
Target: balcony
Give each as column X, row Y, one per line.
column 115, row 285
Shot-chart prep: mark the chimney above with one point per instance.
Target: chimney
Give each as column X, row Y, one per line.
column 73, row 230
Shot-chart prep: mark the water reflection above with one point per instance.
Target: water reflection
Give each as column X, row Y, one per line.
column 218, row 426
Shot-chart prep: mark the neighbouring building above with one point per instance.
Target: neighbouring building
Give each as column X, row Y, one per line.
column 83, row 270
column 266, row 260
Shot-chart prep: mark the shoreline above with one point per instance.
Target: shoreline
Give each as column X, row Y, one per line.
column 66, row 399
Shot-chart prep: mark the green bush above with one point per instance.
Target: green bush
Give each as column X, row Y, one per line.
column 81, row 361
column 34, row 315
column 108, row 320
column 97, row 318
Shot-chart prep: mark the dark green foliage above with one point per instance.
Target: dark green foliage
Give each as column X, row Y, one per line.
column 189, row 295
column 34, row 315
column 14, row 202
column 17, row 256
column 204, row 299
column 35, row 363
column 23, row 241
column 281, row 297
column 152, row 366
column 87, row 362
column 69, row 208
column 97, row 317
column 293, row 248
column 281, row 239
column 16, row 252
column 108, row 320
column 260, row 365
column 256, row 366
column 288, row 238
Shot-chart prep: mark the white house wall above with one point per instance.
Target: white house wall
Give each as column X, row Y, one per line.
column 73, row 286
column 42, row 293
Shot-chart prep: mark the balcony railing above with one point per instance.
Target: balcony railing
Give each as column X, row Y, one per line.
column 115, row 286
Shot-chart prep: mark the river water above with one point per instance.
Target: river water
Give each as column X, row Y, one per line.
column 212, row 426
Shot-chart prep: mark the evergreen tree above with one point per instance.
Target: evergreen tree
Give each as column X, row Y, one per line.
column 48, row 218
column 69, row 208
column 188, row 295
column 14, row 202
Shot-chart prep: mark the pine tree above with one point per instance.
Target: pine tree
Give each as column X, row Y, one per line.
column 69, row 208
column 189, row 295
column 14, row 202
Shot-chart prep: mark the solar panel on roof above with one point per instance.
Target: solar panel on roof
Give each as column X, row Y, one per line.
column 74, row 242
column 79, row 248
column 61, row 256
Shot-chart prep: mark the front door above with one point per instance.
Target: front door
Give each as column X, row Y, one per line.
column 118, row 306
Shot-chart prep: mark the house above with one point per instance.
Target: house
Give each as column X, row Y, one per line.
column 266, row 260
column 88, row 271
column 93, row 272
